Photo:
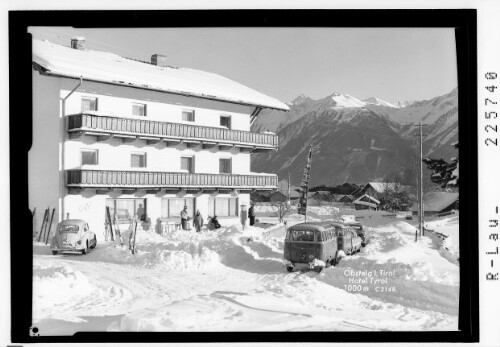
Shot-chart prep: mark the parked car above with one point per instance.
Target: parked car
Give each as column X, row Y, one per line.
column 73, row 235
column 350, row 220
column 348, row 239
column 311, row 245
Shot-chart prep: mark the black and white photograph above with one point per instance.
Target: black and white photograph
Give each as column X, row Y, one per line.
column 247, row 179
column 264, row 175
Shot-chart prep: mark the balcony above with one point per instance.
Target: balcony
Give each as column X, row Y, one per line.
column 172, row 134
column 148, row 180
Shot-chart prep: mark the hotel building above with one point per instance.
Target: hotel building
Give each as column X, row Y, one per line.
column 118, row 132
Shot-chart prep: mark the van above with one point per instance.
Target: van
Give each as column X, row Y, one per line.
column 313, row 245
column 318, row 245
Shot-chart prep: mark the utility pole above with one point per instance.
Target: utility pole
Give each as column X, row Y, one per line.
column 288, row 187
column 421, row 184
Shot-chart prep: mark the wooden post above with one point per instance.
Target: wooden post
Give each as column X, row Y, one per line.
column 50, row 226
column 421, row 185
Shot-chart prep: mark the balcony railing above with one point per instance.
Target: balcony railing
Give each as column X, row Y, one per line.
column 109, row 126
column 115, row 179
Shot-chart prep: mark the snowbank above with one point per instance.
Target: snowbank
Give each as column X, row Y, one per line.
column 232, row 279
column 448, row 228
column 55, row 286
column 420, row 276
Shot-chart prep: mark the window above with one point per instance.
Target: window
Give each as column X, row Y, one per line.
column 89, row 104
column 302, row 235
column 340, row 232
column 188, row 116
column 187, row 164
column 225, row 121
column 225, row 166
column 125, row 209
column 138, row 160
column 64, row 228
column 138, row 109
column 172, row 207
column 223, row 207
column 89, row 156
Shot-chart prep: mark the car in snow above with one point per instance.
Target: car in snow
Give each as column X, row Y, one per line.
column 73, row 235
column 311, row 245
column 350, row 220
column 348, row 239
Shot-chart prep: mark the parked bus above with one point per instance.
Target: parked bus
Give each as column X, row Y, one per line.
column 318, row 245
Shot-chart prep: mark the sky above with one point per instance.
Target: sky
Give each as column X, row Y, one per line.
column 393, row 64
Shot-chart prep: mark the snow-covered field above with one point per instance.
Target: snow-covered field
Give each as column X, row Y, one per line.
column 233, row 280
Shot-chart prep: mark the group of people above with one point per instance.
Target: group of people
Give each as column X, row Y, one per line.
column 213, row 223
column 197, row 220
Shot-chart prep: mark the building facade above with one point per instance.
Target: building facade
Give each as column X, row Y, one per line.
column 140, row 136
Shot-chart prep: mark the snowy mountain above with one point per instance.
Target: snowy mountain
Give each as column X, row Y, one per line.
column 271, row 120
column 357, row 140
column 345, row 101
column 351, row 145
column 379, row 102
column 426, row 111
column 405, row 103
column 298, row 100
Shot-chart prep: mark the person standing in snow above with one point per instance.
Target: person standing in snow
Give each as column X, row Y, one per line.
column 251, row 214
column 184, row 218
column 140, row 213
column 198, row 221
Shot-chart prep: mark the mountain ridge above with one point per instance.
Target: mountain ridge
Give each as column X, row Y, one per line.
column 357, row 140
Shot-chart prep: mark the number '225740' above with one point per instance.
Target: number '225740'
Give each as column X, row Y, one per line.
column 491, row 140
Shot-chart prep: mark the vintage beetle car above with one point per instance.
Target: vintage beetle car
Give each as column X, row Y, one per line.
column 73, row 235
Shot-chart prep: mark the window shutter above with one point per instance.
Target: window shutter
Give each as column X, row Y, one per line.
column 138, row 160
column 187, row 164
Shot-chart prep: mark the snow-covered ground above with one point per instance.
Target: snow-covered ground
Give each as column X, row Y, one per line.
column 447, row 228
column 233, row 279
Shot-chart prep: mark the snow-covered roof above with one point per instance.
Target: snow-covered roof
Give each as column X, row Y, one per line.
column 346, row 196
column 111, row 68
column 437, row 201
column 381, row 186
column 361, row 201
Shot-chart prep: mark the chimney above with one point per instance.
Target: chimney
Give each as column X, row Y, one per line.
column 77, row 42
column 159, row 60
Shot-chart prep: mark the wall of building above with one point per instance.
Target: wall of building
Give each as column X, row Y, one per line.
column 44, row 170
column 91, row 207
column 53, row 152
column 113, row 154
column 117, row 101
